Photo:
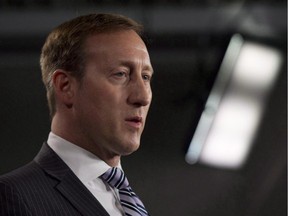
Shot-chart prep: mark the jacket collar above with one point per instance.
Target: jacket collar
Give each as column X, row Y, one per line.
column 68, row 184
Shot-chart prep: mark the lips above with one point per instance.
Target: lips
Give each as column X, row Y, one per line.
column 135, row 121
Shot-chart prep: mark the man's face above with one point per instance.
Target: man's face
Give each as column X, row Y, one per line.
column 112, row 101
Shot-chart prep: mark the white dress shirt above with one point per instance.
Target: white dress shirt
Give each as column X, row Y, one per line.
column 88, row 168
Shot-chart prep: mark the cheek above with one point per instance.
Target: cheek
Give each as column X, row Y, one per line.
column 103, row 105
column 100, row 99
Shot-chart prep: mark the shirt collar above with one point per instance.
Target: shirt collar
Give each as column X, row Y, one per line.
column 85, row 165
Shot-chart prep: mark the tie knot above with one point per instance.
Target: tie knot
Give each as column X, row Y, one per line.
column 115, row 177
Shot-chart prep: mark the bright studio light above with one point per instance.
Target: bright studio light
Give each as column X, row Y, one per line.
column 223, row 138
column 229, row 139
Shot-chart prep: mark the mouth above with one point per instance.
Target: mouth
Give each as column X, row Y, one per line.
column 135, row 121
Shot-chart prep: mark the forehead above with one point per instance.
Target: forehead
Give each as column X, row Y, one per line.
column 119, row 42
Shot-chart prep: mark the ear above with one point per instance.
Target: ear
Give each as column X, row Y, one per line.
column 64, row 87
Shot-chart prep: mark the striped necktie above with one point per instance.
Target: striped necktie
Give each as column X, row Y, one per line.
column 130, row 202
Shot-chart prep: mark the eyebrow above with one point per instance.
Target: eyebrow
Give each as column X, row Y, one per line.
column 127, row 63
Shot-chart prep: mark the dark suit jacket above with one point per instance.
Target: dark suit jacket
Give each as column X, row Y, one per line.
column 46, row 186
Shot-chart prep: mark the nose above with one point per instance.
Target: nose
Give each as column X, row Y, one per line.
column 140, row 93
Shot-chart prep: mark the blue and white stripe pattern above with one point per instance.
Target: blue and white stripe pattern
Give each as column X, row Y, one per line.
column 130, row 202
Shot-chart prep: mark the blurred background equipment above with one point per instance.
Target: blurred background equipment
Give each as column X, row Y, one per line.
column 189, row 44
column 232, row 114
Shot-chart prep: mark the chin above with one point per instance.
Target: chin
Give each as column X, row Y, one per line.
column 130, row 149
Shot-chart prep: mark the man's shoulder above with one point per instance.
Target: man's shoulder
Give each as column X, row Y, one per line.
column 21, row 175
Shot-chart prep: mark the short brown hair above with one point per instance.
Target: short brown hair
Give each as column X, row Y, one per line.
column 64, row 48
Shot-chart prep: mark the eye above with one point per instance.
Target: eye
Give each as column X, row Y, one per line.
column 120, row 74
column 121, row 77
column 146, row 77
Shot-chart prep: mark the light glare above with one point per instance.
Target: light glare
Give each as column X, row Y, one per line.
column 224, row 137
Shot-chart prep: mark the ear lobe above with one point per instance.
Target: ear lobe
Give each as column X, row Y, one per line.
column 63, row 87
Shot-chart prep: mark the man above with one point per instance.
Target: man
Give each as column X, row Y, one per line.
column 97, row 72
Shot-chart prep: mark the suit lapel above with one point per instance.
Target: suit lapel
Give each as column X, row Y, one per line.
column 79, row 196
column 68, row 183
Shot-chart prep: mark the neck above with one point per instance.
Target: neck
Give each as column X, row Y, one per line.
column 67, row 131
